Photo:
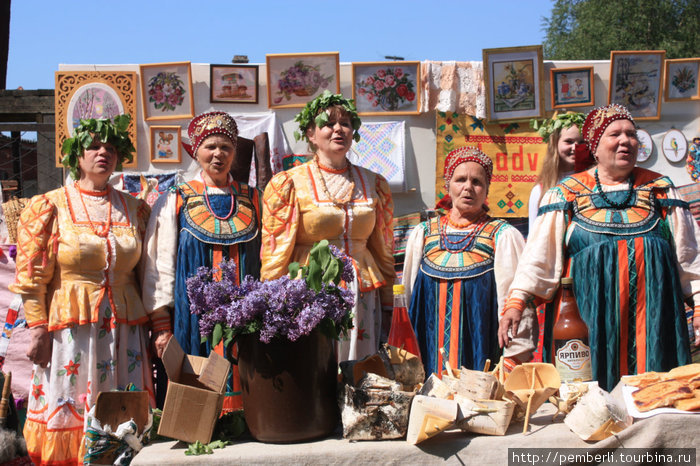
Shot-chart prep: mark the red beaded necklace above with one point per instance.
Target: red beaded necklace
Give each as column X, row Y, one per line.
column 211, row 211
column 108, row 224
column 466, row 240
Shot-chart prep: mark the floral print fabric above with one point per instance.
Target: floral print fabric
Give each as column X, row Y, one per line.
column 85, row 361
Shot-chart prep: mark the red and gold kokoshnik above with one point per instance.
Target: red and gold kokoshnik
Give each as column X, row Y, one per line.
column 207, row 124
column 600, row 118
column 467, row 154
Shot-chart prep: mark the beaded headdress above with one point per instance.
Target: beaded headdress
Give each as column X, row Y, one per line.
column 456, row 158
column 599, row 119
column 467, row 154
column 207, row 124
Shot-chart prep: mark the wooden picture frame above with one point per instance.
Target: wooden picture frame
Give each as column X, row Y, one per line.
column 166, row 91
column 635, row 82
column 674, row 145
column 234, row 84
column 682, row 79
column 513, row 80
column 386, row 88
column 293, row 79
column 572, row 87
column 166, row 144
column 93, row 94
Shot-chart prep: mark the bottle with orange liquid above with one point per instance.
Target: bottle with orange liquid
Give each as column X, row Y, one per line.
column 401, row 334
column 572, row 354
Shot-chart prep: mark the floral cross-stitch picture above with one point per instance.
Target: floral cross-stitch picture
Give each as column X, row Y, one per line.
column 386, row 87
column 682, row 79
column 295, row 79
column 166, row 91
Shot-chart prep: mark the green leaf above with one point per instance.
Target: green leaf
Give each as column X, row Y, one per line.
column 217, row 334
column 293, row 269
column 441, row 127
column 332, row 271
column 314, row 277
column 67, row 147
column 198, row 448
column 229, row 426
column 218, row 444
column 228, row 336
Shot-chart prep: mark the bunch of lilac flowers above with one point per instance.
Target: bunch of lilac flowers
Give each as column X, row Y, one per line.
column 286, row 307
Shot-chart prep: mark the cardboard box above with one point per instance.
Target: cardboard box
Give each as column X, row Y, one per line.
column 196, row 388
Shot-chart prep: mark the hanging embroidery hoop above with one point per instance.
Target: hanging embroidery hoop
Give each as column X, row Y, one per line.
column 646, row 145
column 674, row 145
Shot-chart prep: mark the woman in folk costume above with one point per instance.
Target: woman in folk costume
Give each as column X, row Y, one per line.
column 78, row 250
column 631, row 245
column 351, row 207
column 200, row 223
column 458, row 269
column 562, row 133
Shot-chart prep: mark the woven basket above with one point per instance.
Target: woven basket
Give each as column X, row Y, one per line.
column 12, row 210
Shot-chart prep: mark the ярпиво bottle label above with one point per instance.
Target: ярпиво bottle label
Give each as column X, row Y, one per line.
column 572, row 359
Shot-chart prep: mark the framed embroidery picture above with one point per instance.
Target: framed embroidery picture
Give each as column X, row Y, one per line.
column 514, row 79
column 681, row 81
column 93, row 94
column 635, row 82
column 236, row 84
column 293, row 79
column 166, row 91
column 166, row 145
column 386, row 88
column 572, row 87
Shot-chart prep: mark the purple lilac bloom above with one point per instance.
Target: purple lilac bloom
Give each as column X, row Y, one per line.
column 348, row 274
column 229, row 271
column 284, row 307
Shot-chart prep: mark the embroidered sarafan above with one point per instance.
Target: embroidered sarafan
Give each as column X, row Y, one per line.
column 592, row 213
column 241, row 226
column 56, row 238
column 626, row 275
column 445, row 257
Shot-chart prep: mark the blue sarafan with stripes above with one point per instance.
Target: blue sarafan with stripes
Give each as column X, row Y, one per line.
column 454, row 303
column 626, row 281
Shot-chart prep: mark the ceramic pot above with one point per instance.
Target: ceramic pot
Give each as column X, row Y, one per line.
column 289, row 388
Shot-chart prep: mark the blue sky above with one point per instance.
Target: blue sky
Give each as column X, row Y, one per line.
column 44, row 33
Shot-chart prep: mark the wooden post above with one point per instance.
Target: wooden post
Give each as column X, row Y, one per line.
column 4, row 40
column 16, row 137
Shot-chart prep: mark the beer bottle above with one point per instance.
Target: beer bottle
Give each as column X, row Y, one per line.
column 401, row 334
column 572, row 355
